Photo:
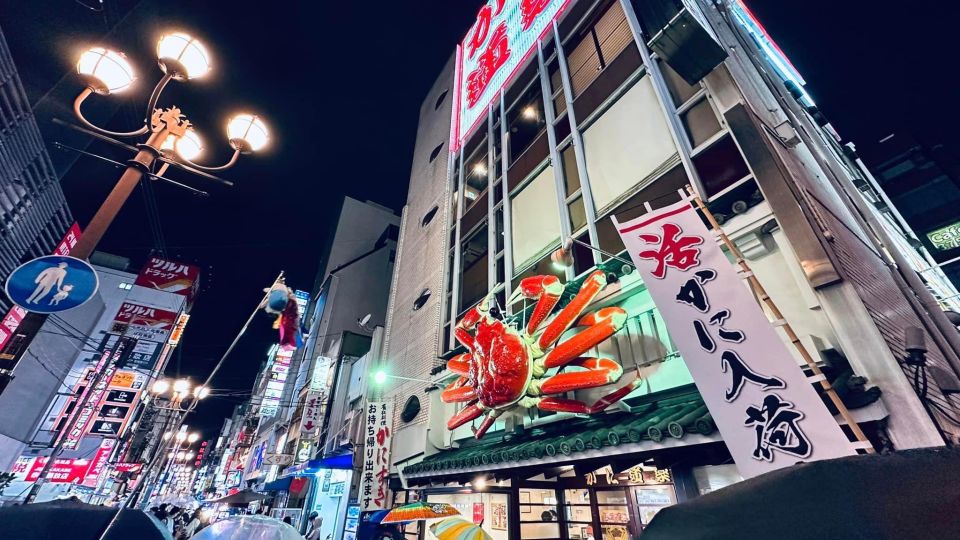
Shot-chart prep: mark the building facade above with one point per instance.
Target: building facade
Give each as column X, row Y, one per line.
column 59, row 366
column 612, row 108
column 33, row 212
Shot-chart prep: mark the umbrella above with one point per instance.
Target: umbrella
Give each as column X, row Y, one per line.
column 240, row 498
column 183, row 501
column 248, row 528
column 458, row 529
column 420, row 510
column 909, row 494
column 77, row 521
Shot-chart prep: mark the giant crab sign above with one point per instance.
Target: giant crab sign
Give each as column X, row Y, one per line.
column 507, row 368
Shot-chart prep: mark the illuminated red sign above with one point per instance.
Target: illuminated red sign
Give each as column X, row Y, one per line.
column 499, row 43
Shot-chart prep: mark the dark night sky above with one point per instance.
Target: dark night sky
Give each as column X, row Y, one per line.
column 340, row 84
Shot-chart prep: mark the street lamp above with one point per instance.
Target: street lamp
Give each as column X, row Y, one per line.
column 380, row 377
column 169, row 136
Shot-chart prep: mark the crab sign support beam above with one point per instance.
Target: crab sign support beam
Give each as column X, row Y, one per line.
column 506, row 368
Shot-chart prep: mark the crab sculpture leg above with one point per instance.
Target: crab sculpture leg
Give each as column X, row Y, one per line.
column 600, row 325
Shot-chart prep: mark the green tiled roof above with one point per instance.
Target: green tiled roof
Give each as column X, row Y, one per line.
column 657, row 421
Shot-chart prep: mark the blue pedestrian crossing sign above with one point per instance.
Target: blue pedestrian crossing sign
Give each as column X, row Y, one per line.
column 52, row 284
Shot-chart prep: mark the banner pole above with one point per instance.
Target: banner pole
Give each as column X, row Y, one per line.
column 759, row 291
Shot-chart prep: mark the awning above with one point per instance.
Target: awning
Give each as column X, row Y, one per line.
column 281, row 484
column 678, row 421
column 339, row 462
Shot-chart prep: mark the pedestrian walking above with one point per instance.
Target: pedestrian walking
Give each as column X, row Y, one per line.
column 313, row 531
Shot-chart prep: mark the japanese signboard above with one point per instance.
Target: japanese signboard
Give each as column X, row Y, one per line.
column 170, row 276
column 945, row 238
column 765, row 408
column 144, row 322
column 504, row 36
column 73, row 432
column 143, row 355
column 375, row 469
column 310, row 422
column 63, row 471
column 115, row 405
column 177, row 332
column 99, row 463
column 10, row 323
column 277, row 378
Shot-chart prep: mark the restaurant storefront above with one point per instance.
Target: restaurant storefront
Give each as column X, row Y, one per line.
column 580, row 480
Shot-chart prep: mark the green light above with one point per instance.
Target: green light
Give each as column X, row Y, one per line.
column 380, row 377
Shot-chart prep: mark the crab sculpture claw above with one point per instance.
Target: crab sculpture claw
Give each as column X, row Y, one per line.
column 506, row 367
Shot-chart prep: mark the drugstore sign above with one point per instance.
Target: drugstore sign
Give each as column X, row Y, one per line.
column 497, row 45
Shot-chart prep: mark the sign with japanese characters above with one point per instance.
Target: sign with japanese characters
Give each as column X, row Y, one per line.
column 170, row 276
column 310, row 422
column 99, row 463
column 504, row 36
column 143, row 355
column 765, row 408
column 277, row 378
column 144, row 322
column 375, row 472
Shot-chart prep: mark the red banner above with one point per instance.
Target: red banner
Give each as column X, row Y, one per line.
column 143, row 322
column 63, row 471
column 170, row 276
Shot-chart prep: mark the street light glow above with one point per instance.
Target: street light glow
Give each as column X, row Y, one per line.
column 247, row 133
column 193, row 437
column 380, row 377
column 189, row 146
column 181, row 386
column 160, row 386
column 106, row 71
column 182, row 56
column 201, row 392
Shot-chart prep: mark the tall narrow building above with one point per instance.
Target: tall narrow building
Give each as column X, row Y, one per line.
column 33, row 212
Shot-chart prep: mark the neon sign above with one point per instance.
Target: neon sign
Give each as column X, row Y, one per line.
column 498, row 44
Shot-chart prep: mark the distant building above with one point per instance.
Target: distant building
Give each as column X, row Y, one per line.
column 36, row 406
column 33, row 212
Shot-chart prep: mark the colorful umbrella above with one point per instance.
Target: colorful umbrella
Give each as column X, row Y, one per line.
column 458, row 529
column 420, row 510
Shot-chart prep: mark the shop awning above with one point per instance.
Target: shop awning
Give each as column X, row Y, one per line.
column 649, row 427
column 678, row 421
column 282, row 484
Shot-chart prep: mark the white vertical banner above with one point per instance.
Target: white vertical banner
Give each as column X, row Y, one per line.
column 768, row 413
column 375, row 471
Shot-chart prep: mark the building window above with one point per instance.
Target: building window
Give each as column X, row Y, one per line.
column 535, row 219
column 421, row 300
column 628, row 143
column 720, row 166
column 473, row 261
column 428, row 217
column 526, row 121
column 440, row 99
column 436, row 152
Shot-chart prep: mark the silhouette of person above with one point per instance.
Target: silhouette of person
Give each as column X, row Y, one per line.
column 46, row 280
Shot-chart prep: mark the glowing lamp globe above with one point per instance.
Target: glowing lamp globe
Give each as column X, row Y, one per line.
column 181, row 386
column 105, row 71
column 380, row 377
column 193, row 437
column 161, row 386
column 182, row 56
column 247, row 133
column 189, row 146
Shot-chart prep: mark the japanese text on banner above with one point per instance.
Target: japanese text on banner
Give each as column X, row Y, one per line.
column 767, row 412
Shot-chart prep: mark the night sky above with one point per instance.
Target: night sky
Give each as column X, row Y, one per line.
column 340, row 84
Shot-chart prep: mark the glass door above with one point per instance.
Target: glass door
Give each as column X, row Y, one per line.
column 539, row 517
column 579, row 514
column 652, row 499
column 613, row 510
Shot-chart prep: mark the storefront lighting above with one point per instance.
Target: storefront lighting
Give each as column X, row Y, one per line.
column 479, row 169
column 530, row 113
column 480, row 483
column 380, row 377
